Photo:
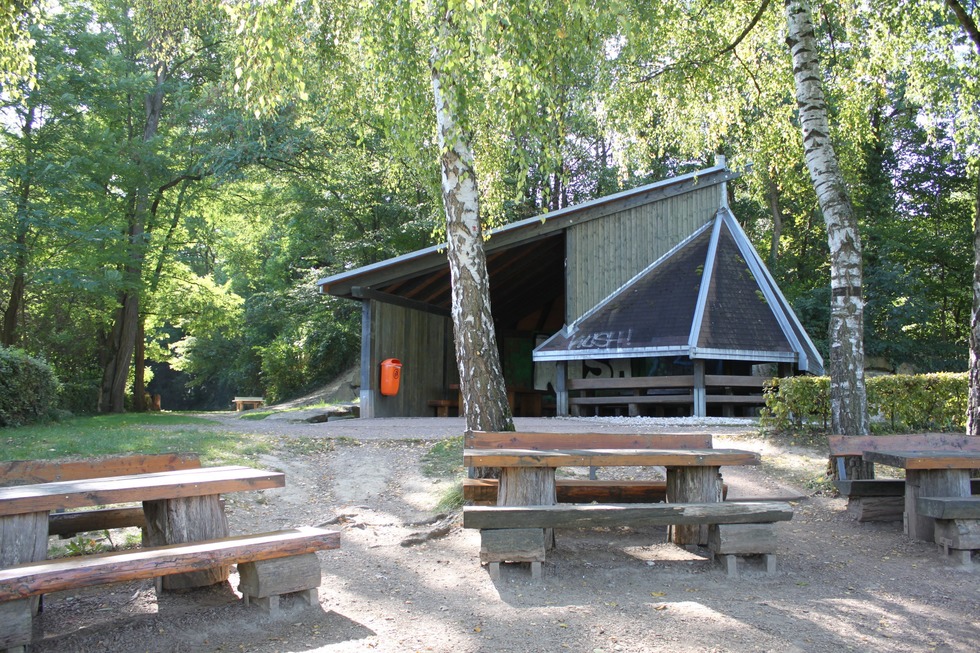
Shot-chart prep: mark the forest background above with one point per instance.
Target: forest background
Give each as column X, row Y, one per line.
column 199, row 165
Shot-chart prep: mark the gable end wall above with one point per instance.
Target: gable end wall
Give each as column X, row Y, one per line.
column 602, row 255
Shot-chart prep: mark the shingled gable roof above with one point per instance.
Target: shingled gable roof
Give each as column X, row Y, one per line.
column 667, row 310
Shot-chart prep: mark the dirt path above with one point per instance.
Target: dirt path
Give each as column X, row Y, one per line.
column 839, row 586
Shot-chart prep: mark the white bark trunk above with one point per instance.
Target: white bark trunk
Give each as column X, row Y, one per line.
column 973, row 405
column 849, row 410
column 480, row 373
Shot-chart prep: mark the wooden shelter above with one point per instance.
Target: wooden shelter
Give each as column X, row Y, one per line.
column 608, row 289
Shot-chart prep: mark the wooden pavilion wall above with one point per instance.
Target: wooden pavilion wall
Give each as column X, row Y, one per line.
column 605, row 254
column 423, row 342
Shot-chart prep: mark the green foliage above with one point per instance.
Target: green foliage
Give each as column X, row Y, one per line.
column 796, row 403
column 896, row 403
column 28, row 388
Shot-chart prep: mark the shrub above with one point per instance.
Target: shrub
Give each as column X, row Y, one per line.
column 896, row 403
column 28, row 388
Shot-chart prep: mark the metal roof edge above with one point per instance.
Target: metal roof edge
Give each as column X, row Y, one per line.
column 808, row 349
column 707, row 273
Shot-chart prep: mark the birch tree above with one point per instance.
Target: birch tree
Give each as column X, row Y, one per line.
column 849, row 412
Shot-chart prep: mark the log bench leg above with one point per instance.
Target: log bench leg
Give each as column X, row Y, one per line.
column 262, row 582
column 15, row 625
column 512, row 545
column 731, row 540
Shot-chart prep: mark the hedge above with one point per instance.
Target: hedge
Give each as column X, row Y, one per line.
column 28, row 388
column 896, row 403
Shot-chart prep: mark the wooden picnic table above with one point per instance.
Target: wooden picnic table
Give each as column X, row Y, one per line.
column 181, row 506
column 528, row 475
column 928, row 474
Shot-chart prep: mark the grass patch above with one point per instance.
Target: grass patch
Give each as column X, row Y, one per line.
column 255, row 416
column 104, row 435
column 452, row 499
column 444, row 459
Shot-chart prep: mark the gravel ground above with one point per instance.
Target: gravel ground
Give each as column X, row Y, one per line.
column 839, row 585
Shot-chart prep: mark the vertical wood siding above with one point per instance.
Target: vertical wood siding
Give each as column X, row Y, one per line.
column 605, row 254
column 420, row 341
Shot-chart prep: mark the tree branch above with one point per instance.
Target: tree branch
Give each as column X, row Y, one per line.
column 697, row 63
column 966, row 21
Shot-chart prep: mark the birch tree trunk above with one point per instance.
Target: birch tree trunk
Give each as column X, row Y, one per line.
column 849, row 410
column 480, row 373
column 973, row 403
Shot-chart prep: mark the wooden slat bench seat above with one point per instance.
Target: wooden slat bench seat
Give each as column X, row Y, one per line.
column 882, row 499
column 19, row 583
column 68, row 524
column 736, row 528
column 442, row 406
column 957, row 529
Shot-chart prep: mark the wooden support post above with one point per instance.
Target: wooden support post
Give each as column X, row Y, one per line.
column 367, row 366
column 561, row 389
column 24, row 538
column 700, row 403
column 188, row 519
column 692, row 485
column 930, row 483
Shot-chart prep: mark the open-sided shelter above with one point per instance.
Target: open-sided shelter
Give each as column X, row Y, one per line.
column 651, row 298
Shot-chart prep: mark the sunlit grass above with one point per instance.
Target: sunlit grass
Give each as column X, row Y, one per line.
column 127, row 433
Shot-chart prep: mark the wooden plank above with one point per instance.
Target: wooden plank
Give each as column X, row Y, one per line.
column 632, row 382
column 86, row 571
column 608, row 457
column 83, row 521
column 874, row 487
column 742, row 539
column 679, row 398
column 524, row 440
column 142, row 487
column 512, row 545
column 856, row 445
column 736, row 380
column 926, row 460
column 581, row 490
column 48, row 471
column 742, row 400
column 604, row 515
column 949, row 507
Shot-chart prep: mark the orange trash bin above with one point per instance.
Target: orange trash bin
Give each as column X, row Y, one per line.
column 391, row 373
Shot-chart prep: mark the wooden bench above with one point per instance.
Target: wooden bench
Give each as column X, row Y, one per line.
column 67, row 524
column 579, row 490
column 515, row 533
column 957, row 529
column 442, row 406
column 248, row 403
column 295, row 571
column 633, row 392
column 877, row 499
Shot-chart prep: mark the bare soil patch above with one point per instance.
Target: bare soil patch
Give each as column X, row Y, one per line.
column 840, row 585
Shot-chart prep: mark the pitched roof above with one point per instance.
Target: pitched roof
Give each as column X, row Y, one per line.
column 709, row 297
